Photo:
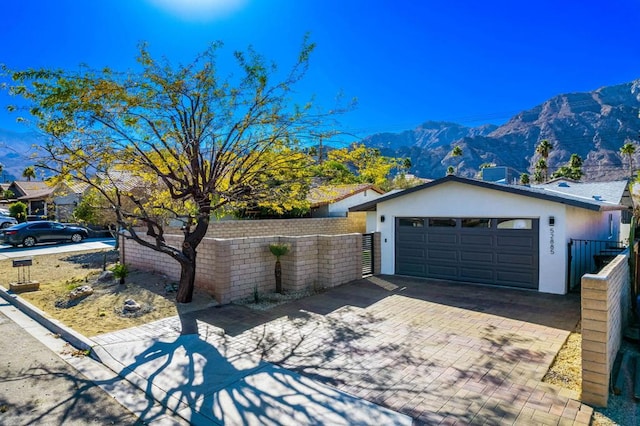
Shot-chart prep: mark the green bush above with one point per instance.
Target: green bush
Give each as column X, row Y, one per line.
column 19, row 211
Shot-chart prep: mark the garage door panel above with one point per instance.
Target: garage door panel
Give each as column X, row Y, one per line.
column 515, row 259
column 515, row 241
column 415, row 255
column 442, row 238
column 477, row 256
column 442, row 255
column 482, row 275
column 441, row 271
column 507, row 257
column 413, row 269
column 476, row 240
column 412, row 238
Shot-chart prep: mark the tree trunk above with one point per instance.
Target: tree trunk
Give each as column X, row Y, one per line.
column 187, row 281
column 187, row 275
column 278, row 277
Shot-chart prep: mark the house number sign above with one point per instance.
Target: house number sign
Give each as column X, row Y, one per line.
column 552, row 248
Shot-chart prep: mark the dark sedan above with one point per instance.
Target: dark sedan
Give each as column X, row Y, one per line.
column 31, row 233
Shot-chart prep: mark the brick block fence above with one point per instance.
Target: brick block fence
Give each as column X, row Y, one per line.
column 606, row 305
column 355, row 222
column 232, row 268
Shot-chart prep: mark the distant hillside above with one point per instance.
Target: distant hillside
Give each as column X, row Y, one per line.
column 594, row 125
column 15, row 152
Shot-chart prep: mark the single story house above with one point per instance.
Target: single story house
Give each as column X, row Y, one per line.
column 335, row 200
column 66, row 197
column 67, row 194
column 616, row 192
column 35, row 194
column 470, row 230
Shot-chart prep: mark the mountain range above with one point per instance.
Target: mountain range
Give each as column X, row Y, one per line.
column 593, row 125
column 16, row 149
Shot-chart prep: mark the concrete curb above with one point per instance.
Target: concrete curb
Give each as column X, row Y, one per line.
column 56, row 327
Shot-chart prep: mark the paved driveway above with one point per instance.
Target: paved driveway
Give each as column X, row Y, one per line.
column 438, row 351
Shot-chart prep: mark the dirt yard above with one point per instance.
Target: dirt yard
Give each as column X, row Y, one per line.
column 102, row 311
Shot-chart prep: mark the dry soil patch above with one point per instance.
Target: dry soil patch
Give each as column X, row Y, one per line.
column 100, row 312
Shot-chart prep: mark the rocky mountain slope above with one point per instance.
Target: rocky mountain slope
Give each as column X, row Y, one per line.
column 15, row 153
column 593, row 125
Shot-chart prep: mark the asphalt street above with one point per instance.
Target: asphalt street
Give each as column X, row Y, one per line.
column 9, row 252
column 38, row 387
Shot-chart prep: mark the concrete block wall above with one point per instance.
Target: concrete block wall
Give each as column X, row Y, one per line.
column 232, row 269
column 289, row 227
column 141, row 257
column 605, row 308
column 339, row 259
column 300, row 265
column 377, row 255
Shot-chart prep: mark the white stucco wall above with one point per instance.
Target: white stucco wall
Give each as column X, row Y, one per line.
column 453, row 199
column 588, row 225
column 340, row 208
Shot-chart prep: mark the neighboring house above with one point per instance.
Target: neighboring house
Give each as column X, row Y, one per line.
column 4, row 203
column 616, row 192
column 475, row 231
column 501, row 174
column 335, row 200
column 35, row 194
column 66, row 197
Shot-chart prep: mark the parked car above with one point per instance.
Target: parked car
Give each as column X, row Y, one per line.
column 7, row 221
column 30, row 233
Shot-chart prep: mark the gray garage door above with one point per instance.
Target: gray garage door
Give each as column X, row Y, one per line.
column 499, row 251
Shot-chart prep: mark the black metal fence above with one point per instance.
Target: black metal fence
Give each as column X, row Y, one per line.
column 367, row 254
column 589, row 256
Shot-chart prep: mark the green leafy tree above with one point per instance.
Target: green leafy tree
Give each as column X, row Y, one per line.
column 451, row 170
column 524, row 179
column 19, row 211
column 196, row 140
column 29, row 173
column 628, row 150
column 358, row 164
column 8, row 194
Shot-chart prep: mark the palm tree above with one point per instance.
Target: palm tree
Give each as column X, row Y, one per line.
column 628, row 149
column 456, row 152
column 29, row 173
column 541, row 171
column 544, row 148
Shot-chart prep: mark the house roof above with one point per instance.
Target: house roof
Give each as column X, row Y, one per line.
column 613, row 192
column 328, row 194
column 31, row 190
column 526, row 191
column 123, row 180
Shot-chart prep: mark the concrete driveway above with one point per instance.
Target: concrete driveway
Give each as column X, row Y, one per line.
column 440, row 352
column 9, row 252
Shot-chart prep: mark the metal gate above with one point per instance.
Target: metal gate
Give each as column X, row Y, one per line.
column 367, row 255
column 589, row 256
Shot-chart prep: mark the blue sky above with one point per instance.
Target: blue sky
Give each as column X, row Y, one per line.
column 470, row 62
